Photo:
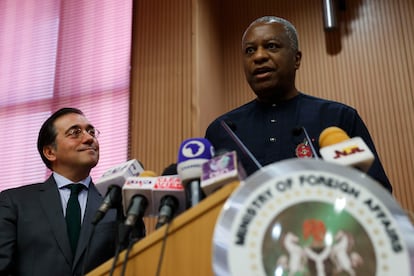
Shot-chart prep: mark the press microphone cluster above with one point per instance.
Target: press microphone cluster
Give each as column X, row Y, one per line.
column 110, row 184
column 148, row 196
column 337, row 147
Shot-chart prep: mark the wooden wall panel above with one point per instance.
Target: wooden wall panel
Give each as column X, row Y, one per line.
column 161, row 86
column 186, row 70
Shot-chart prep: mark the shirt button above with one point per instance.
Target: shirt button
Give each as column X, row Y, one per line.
column 272, row 139
column 273, row 121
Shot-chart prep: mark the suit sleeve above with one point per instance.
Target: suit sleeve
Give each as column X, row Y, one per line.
column 8, row 218
column 377, row 170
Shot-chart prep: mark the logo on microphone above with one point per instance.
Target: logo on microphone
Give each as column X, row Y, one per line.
column 193, row 149
column 220, row 163
column 347, row 151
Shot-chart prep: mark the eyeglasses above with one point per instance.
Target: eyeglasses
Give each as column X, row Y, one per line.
column 77, row 132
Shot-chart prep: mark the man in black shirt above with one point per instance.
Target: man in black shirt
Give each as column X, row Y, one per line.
column 271, row 57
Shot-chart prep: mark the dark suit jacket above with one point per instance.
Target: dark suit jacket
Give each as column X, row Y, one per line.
column 33, row 237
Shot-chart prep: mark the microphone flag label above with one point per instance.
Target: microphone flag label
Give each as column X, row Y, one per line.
column 218, row 166
column 347, row 151
column 351, row 152
column 168, row 182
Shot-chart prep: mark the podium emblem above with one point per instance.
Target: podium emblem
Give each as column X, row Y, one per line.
column 310, row 217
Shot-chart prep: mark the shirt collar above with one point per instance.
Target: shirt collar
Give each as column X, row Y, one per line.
column 280, row 104
column 62, row 181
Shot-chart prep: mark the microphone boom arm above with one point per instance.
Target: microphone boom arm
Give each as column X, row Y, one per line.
column 240, row 144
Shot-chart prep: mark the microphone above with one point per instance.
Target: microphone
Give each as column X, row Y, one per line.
column 220, row 171
column 112, row 199
column 137, row 202
column 142, row 186
column 111, row 182
column 169, row 198
column 337, row 147
column 191, row 155
column 148, row 174
column 239, row 143
column 118, row 174
column 136, row 209
column 170, row 170
column 297, row 131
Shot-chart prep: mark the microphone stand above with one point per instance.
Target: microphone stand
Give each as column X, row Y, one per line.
column 240, row 144
column 315, row 153
column 194, row 193
column 164, row 242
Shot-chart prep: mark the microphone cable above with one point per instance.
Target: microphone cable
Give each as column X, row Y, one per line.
column 118, row 249
column 115, row 259
column 164, row 242
column 135, row 235
column 124, row 265
column 132, row 241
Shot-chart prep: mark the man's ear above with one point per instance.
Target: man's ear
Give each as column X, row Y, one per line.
column 298, row 58
column 49, row 152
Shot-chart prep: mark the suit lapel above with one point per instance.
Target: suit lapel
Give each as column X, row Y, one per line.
column 52, row 206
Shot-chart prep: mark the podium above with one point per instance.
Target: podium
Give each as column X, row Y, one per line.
column 188, row 246
column 333, row 218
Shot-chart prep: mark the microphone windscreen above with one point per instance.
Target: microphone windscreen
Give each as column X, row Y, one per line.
column 337, row 147
column 195, row 148
column 332, row 135
column 148, row 174
column 192, row 154
column 170, row 170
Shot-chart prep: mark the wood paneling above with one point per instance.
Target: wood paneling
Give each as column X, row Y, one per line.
column 162, row 107
column 186, row 70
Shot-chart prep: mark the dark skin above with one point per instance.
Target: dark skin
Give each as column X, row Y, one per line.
column 270, row 63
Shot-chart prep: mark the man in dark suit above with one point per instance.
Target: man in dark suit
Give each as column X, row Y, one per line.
column 35, row 235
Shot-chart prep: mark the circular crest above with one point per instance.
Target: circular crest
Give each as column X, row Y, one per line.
column 310, row 217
